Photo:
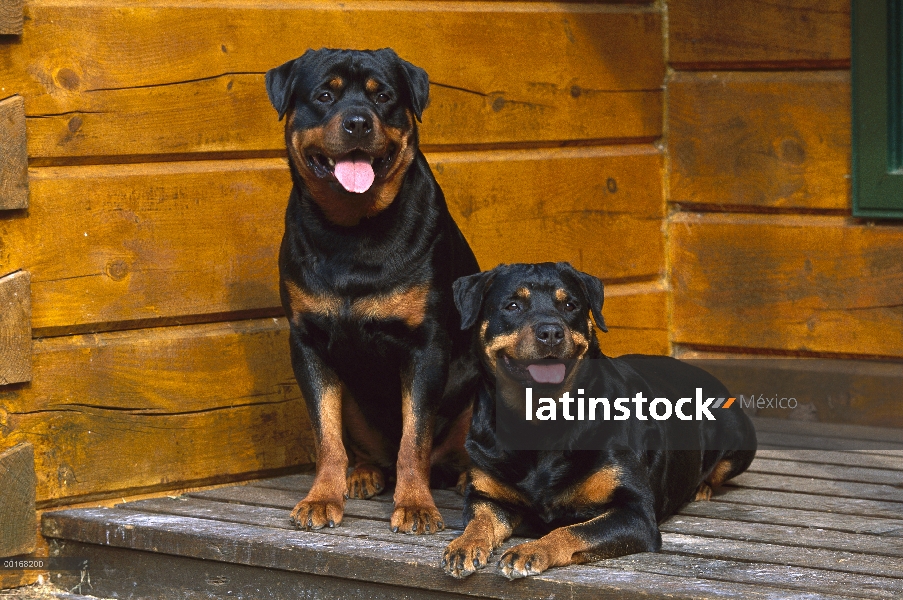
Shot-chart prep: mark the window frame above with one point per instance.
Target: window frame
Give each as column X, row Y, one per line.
column 877, row 102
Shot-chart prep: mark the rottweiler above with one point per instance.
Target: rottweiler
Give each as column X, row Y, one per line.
column 602, row 488
column 366, row 268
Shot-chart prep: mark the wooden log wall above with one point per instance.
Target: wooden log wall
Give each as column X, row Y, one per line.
column 157, row 183
column 764, row 255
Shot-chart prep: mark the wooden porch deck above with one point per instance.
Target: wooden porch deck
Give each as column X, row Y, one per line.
column 818, row 515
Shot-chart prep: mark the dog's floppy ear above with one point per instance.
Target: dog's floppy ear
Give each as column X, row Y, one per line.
column 418, row 86
column 281, row 81
column 279, row 86
column 592, row 289
column 468, row 293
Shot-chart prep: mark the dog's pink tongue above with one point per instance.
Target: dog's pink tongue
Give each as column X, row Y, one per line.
column 354, row 175
column 547, row 373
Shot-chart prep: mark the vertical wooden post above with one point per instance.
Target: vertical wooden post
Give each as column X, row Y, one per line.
column 13, row 152
column 15, row 328
column 18, row 518
column 11, row 17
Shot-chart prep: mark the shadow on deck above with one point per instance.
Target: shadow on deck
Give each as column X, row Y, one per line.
column 818, row 515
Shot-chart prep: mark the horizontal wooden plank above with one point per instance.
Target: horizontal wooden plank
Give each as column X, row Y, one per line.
column 818, row 487
column 792, row 442
column 363, row 559
column 109, row 454
column 704, row 33
column 637, row 319
column 115, row 572
column 157, row 241
column 845, row 431
column 706, row 548
column 15, row 328
column 148, row 241
column 812, row 519
column 827, row 457
column 803, row 394
column 158, row 409
column 818, row 284
column 786, row 536
column 797, row 500
column 13, row 150
column 776, row 140
column 814, row 580
column 182, row 77
column 833, row 472
column 551, row 205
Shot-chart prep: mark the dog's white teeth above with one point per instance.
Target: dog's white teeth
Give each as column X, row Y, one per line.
column 330, row 162
column 370, row 158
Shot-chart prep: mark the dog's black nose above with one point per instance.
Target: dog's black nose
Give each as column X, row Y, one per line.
column 549, row 334
column 357, row 125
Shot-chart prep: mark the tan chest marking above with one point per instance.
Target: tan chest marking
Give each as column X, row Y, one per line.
column 302, row 302
column 407, row 305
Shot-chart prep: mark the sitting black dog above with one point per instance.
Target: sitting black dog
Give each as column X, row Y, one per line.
column 366, row 268
column 604, row 485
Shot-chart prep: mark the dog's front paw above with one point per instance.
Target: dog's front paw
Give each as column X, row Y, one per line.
column 317, row 514
column 416, row 519
column 365, row 482
column 531, row 558
column 464, row 555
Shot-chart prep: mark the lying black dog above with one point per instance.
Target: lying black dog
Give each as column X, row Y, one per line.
column 607, row 484
column 366, row 270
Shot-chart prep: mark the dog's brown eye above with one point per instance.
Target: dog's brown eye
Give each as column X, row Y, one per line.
column 324, row 97
column 513, row 306
column 382, row 98
column 570, row 306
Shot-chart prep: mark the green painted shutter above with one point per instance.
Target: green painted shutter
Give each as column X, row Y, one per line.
column 877, row 75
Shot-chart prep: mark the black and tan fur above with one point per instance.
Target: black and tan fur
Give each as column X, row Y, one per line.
column 365, row 280
column 590, row 504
